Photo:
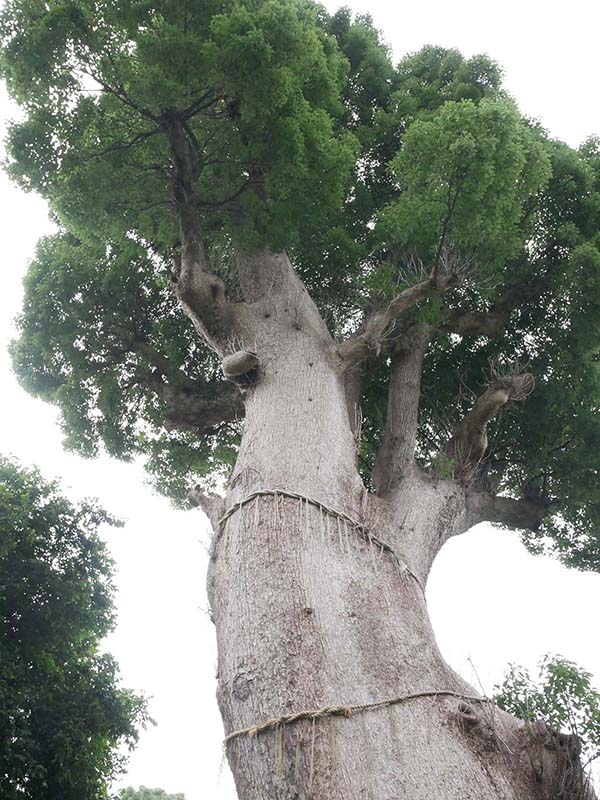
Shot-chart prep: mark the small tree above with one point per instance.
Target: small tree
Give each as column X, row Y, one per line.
column 564, row 707
column 143, row 793
column 63, row 717
column 390, row 333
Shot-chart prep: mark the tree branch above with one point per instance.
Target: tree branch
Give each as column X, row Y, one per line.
column 366, row 342
column 201, row 408
column 212, row 504
column 468, row 445
column 201, row 294
column 477, row 323
column 208, row 99
column 398, row 447
column 120, row 94
column 493, row 323
column 135, row 343
column 525, row 513
column 190, row 404
column 445, row 226
column 139, row 139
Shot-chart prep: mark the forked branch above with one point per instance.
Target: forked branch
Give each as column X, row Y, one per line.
column 366, row 343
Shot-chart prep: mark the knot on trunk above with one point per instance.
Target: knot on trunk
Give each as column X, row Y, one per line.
column 239, row 364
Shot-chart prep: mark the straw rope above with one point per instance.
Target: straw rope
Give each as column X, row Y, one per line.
column 359, row 527
column 345, row 711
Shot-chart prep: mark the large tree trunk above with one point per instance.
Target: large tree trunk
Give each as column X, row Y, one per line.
column 310, row 613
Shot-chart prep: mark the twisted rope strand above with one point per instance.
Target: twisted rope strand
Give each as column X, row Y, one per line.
column 346, row 711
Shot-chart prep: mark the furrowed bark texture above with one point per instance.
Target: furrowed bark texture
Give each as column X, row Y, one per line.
column 310, row 613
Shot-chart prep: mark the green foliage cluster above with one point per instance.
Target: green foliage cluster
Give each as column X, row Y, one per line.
column 307, row 137
column 563, row 696
column 476, row 165
column 63, row 717
column 101, row 322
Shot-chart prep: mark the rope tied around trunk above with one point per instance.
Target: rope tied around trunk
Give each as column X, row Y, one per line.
column 359, row 527
column 346, row 711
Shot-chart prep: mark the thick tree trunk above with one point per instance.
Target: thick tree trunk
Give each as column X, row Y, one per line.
column 310, row 613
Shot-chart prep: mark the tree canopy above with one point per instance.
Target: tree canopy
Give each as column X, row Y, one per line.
column 63, row 716
column 274, row 124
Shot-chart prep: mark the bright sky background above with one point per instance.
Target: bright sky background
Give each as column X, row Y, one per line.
column 491, row 603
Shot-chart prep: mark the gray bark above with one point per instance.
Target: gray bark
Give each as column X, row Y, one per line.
column 309, row 613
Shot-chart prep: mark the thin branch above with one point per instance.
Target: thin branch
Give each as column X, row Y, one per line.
column 164, row 365
column 445, row 224
column 141, row 137
column 207, row 100
column 120, row 94
column 232, row 197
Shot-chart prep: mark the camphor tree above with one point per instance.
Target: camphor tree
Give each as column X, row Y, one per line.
column 390, row 333
column 63, row 717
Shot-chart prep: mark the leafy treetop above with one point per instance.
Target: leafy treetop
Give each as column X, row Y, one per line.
column 274, row 124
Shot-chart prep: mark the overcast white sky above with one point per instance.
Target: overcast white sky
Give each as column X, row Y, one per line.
column 489, row 600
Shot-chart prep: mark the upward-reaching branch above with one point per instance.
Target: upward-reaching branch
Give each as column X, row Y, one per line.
column 201, row 294
column 452, row 201
column 468, row 445
column 397, row 450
